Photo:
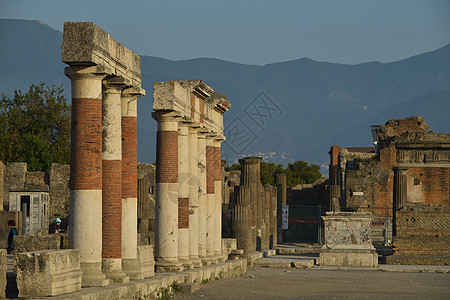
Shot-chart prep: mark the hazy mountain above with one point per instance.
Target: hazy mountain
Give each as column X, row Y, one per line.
column 308, row 105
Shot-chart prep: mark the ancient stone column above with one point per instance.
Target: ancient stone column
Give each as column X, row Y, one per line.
column 251, row 177
column 85, row 207
column 184, row 189
column 130, row 264
column 166, row 214
column 211, row 229
column 202, row 199
column 112, row 181
column 217, row 211
column 242, row 218
column 273, row 217
column 194, row 183
column 280, row 181
column 400, row 187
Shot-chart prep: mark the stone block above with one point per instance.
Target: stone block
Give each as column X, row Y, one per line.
column 304, row 263
column 187, row 288
column 146, row 260
column 349, row 258
column 48, row 273
column 3, row 268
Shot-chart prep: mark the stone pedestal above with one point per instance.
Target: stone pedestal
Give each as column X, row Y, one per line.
column 48, row 273
column 348, row 240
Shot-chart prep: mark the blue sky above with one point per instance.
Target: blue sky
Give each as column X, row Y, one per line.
column 257, row 32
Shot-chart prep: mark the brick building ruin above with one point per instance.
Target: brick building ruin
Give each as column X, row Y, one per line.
column 409, row 168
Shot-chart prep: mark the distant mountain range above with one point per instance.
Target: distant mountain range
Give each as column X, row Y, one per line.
column 285, row 111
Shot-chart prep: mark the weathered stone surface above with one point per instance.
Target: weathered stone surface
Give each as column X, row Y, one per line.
column 30, row 243
column 348, row 240
column 85, row 43
column 48, row 273
column 2, row 272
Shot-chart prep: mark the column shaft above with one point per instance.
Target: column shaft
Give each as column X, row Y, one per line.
column 184, row 189
column 166, row 213
column 217, row 212
column 210, row 200
column 130, row 265
column 85, row 207
column 194, row 199
column 202, row 200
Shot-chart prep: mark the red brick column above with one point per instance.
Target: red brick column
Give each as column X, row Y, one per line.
column 112, row 181
column 85, row 207
column 166, row 213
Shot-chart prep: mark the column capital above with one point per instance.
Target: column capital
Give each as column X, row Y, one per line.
column 113, row 85
column 86, row 72
column 129, row 98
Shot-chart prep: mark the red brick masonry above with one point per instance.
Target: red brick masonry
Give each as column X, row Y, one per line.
column 167, row 157
column 129, row 157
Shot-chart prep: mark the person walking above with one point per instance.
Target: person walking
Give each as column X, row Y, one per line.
column 12, row 233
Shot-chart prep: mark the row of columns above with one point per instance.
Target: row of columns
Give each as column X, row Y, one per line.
column 103, row 175
column 188, row 195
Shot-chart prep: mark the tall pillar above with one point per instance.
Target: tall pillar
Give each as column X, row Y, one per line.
column 280, row 181
column 85, row 207
column 210, row 199
column 194, row 183
column 400, row 193
column 241, row 219
column 166, row 213
column 217, row 211
column 202, row 199
column 251, row 177
column 184, row 189
column 112, row 181
column 273, row 217
column 130, row 264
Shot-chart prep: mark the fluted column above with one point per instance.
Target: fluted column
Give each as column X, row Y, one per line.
column 184, row 189
column 202, row 199
column 130, row 264
column 112, row 181
column 194, row 184
column 85, row 206
column 166, row 206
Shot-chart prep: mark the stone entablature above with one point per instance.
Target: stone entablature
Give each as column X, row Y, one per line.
column 192, row 101
column 84, row 43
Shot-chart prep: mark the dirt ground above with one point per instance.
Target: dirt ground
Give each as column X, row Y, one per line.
column 283, row 283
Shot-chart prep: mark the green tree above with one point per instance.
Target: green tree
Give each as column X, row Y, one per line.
column 300, row 173
column 268, row 171
column 35, row 127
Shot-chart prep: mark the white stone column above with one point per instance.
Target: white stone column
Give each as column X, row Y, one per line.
column 217, row 211
column 112, row 181
column 202, row 207
column 85, row 206
column 130, row 263
column 184, row 189
column 194, row 198
column 166, row 208
column 211, row 229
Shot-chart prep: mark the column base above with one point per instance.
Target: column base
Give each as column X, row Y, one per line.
column 168, row 266
column 112, row 268
column 132, row 268
column 196, row 261
column 92, row 275
column 213, row 259
column 205, row 260
column 186, row 263
column 220, row 257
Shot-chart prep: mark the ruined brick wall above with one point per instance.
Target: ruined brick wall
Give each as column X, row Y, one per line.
column 308, row 194
column 146, row 197
column 59, row 190
column 428, row 186
column 423, row 230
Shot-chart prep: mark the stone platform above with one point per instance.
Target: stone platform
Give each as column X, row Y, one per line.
column 160, row 284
